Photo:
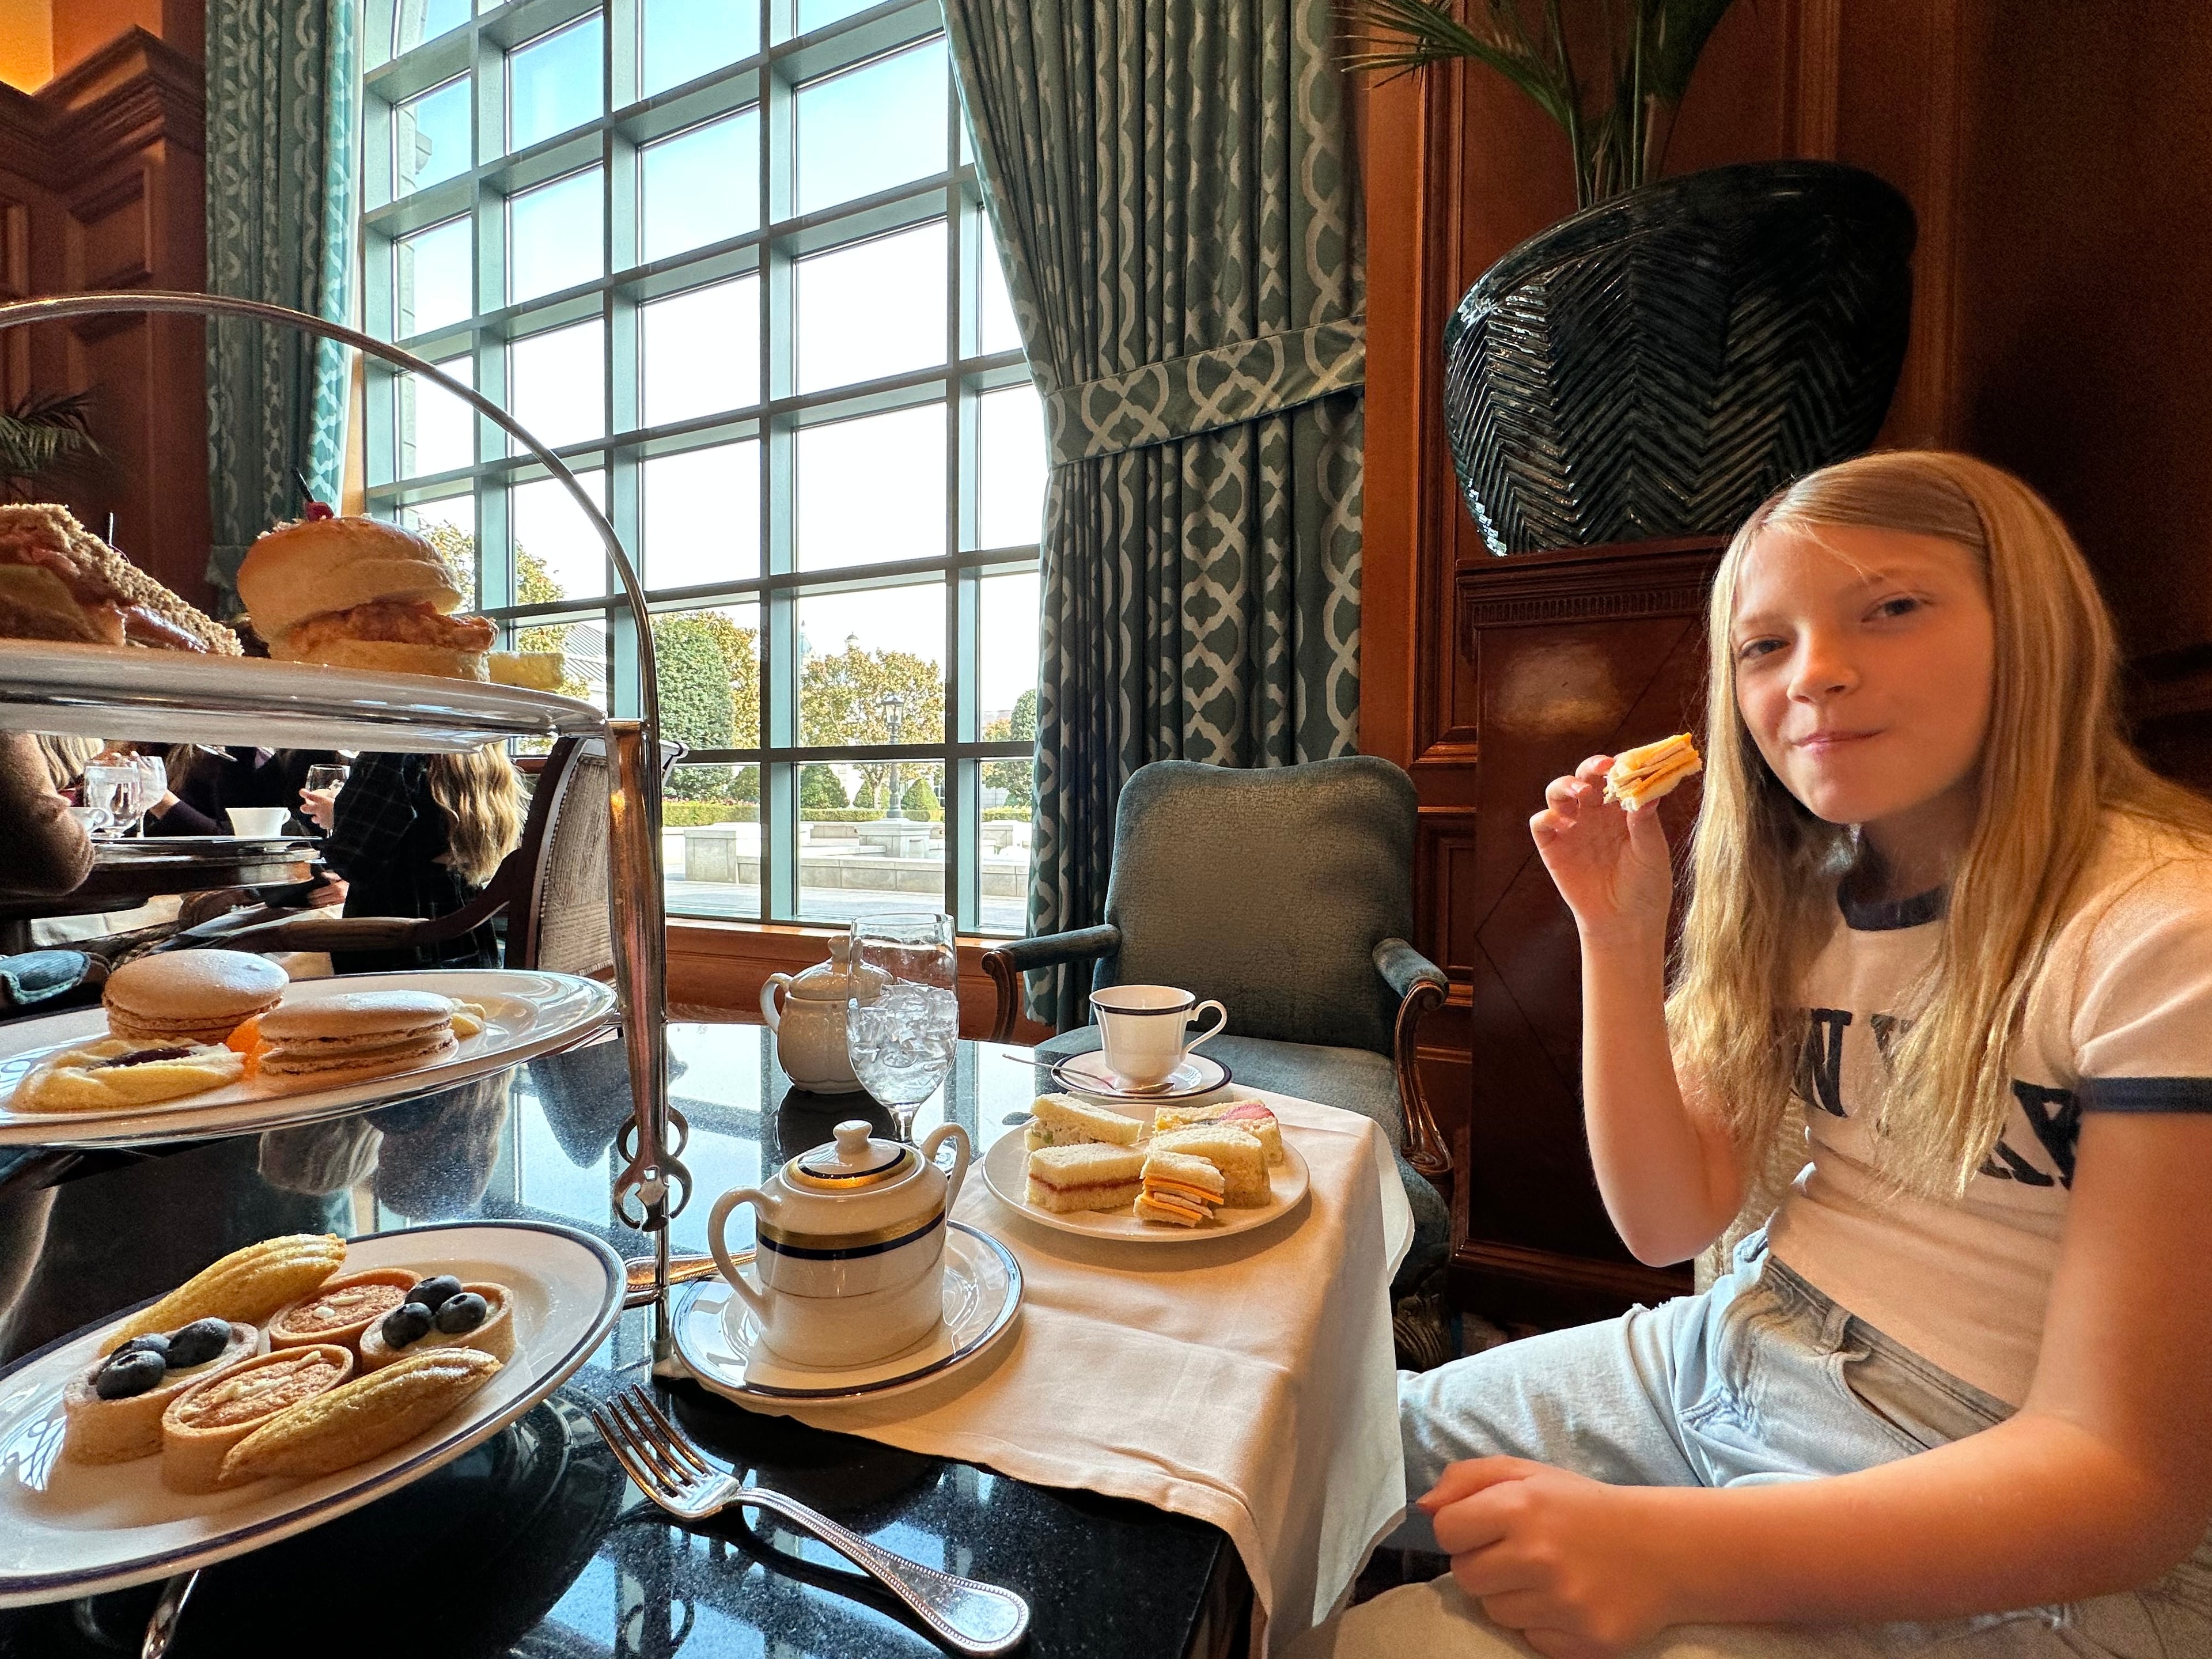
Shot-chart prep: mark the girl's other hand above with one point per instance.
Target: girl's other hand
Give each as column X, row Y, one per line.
column 1566, row 1561
column 321, row 806
column 1608, row 863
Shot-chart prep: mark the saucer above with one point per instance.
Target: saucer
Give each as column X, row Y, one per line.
column 1088, row 1074
column 982, row 1291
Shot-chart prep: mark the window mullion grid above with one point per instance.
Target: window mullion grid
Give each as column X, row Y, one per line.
column 618, row 249
column 779, row 635
column 961, row 777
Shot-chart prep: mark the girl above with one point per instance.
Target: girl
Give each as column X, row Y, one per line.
column 1942, row 1022
column 420, row 835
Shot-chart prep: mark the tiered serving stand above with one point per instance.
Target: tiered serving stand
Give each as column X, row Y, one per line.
column 183, row 697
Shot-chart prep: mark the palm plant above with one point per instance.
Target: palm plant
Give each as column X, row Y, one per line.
column 1618, row 125
column 45, row 435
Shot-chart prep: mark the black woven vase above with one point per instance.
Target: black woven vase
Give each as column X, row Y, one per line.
column 1659, row 364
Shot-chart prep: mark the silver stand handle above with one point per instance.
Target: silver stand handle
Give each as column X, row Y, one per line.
column 655, row 1181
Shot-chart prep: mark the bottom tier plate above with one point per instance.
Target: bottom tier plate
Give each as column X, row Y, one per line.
column 69, row 1529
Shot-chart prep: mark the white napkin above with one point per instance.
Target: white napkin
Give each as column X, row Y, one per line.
column 1248, row 1382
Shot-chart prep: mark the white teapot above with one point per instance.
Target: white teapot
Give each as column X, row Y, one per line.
column 851, row 1240
column 809, row 1023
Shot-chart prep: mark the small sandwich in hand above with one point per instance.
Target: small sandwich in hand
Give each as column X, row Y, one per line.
column 1091, row 1176
column 1064, row 1120
column 356, row 593
column 1179, row 1189
column 1639, row 776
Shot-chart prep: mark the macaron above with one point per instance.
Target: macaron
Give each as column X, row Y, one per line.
column 191, row 996
column 356, row 1031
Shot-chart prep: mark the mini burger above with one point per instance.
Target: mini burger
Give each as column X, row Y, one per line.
column 1639, row 776
column 59, row 581
column 356, row 593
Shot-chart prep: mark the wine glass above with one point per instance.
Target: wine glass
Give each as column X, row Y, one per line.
column 902, row 1009
column 154, row 774
column 327, row 777
column 111, row 791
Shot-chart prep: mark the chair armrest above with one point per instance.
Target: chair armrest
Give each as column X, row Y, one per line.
column 1402, row 968
column 318, row 930
column 1006, row 964
column 1420, row 985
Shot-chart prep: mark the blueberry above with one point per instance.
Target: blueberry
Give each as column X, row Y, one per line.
column 132, row 1371
column 198, row 1343
column 408, row 1323
column 461, row 1313
column 155, row 1344
column 433, row 1293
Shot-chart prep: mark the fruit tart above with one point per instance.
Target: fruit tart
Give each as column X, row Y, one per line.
column 114, row 1408
column 342, row 1309
column 201, row 1424
column 442, row 1312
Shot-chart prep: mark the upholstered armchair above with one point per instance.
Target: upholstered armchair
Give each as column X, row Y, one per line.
column 1287, row 893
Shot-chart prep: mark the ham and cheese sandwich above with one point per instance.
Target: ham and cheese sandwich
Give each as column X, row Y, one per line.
column 1238, row 1155
column 1180, row 1190
column 1091, row 1176
column 1639, row 776
column 59, row 581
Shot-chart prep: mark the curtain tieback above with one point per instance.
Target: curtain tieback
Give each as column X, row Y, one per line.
column 1224, row 386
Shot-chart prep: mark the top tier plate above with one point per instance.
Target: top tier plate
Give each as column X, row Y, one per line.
column 181, row 696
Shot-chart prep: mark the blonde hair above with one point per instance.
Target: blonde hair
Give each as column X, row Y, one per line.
column 1764, row 869
column 65, row 757
column 477, row 793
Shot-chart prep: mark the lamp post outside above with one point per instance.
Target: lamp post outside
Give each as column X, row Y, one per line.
column 892, row 707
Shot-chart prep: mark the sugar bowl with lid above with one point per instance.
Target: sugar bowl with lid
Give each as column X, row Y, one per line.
column 850, row 1245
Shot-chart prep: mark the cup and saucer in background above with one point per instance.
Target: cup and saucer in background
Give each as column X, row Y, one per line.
column 1146, row 1049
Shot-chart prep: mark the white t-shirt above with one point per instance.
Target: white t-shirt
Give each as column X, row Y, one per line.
column 2119, row 1019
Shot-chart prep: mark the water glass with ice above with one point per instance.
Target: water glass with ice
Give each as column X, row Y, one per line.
column 902, row 1009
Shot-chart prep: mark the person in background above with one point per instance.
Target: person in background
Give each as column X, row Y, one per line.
column 48, row 851
column 205, row 783
column 419, row 835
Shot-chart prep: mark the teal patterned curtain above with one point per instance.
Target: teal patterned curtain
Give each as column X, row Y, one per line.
column 1172, row 188
column 283, row 180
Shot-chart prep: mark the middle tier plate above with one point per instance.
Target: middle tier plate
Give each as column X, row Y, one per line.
column 526, row 1013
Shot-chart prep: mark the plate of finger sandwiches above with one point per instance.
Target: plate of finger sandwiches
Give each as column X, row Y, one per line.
column 1185, row 1173
column 284, row 1384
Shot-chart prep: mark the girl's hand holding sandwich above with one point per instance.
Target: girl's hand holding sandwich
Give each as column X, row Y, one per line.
column 1609, row 864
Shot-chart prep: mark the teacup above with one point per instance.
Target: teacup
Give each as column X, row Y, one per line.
column 1143, row 1031
column 259, row 822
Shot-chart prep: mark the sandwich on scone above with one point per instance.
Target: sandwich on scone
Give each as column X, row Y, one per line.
column 357, row 592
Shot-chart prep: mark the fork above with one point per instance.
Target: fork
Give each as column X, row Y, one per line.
column 980, row 1619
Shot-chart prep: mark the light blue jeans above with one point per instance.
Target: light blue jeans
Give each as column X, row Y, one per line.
column 1761, row 1378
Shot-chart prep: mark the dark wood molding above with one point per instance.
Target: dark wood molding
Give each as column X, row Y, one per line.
column 135, row 91
column 1524, row 1285
column 1661, row 578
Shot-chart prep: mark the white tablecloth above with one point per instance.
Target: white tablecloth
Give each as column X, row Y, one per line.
column 1248, row 1382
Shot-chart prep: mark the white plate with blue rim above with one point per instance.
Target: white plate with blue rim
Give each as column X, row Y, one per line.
column 69, row 1529
column 720, row 1344
column 526, row 1012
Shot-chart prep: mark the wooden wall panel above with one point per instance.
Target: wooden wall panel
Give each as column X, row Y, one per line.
column 100, row 187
